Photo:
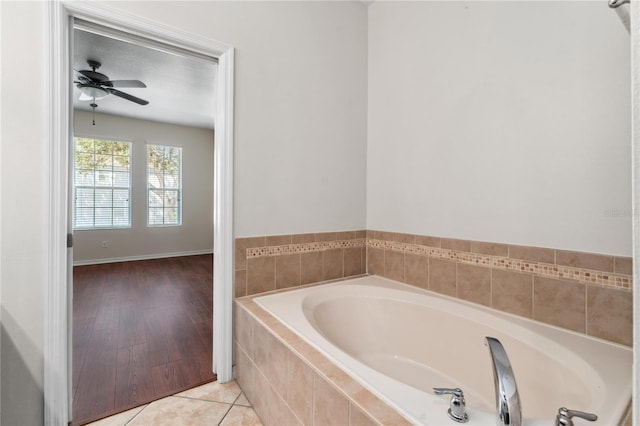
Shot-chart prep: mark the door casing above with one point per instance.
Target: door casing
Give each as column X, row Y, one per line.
column 60, row 15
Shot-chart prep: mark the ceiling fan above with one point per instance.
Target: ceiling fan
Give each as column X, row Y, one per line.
column 95, row 85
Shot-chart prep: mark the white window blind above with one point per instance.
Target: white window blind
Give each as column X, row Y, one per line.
column 102, row 184
column 164, row 185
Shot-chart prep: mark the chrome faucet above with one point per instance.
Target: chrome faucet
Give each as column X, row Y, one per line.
column 509, row 411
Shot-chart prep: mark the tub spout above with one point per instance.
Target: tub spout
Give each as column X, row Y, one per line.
column 509, row 411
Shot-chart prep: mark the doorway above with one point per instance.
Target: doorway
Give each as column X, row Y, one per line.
column 57, row 308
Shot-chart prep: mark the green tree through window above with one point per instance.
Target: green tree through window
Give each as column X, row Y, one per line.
column 164, row 183
column 102, row 184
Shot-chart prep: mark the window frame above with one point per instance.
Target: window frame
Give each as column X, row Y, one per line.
column 96, row 187
column 149, row 188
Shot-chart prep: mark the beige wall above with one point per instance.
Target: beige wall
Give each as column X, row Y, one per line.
column 139, row 241
column 506, row 122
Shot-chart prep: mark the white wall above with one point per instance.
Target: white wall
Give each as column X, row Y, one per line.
column 23, row 169
column 500, row 121
column 300, row 112
column 196, row 232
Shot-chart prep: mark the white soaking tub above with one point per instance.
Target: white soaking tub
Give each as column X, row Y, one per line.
column 400, row 342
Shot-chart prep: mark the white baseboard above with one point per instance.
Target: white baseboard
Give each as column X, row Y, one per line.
column 141, row 257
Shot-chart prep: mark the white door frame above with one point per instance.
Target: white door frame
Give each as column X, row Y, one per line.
column 56, row 341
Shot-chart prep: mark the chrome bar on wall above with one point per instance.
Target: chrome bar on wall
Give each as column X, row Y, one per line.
column 623, row 12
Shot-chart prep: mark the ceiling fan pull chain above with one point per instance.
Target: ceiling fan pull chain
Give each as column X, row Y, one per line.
column 93, row 106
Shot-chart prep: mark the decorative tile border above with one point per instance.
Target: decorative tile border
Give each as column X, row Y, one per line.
column 588, row 276
column 303, row 248
column 459, row 252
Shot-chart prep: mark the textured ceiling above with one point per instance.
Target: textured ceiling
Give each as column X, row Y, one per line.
column 179, row 89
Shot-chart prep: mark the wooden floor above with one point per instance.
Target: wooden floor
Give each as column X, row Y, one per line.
column 141, row 331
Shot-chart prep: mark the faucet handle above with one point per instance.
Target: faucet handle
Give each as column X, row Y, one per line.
column 457, row 405
column 564, row 416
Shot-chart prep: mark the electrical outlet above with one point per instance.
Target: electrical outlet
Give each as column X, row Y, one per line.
column 105, row 244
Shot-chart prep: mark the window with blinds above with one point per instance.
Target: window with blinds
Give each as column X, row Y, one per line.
column 164, row 185
column 102, row 184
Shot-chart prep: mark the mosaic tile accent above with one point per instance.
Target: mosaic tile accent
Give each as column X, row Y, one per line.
column 604, row 279
column 303, row 248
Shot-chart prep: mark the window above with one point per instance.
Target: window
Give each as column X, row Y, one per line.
column 102, row 184
column 164, row 185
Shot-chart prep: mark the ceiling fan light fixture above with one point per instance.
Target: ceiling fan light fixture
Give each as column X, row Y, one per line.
column 93, row 92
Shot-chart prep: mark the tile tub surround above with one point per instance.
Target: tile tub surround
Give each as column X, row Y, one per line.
column 288, row 382
column 584, row 292
column 275, row 262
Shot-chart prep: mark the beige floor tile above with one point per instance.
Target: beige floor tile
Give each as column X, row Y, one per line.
column 242, row 400
column 175, row 411
column 120, row 419
column 241, row 416
column 214, row 391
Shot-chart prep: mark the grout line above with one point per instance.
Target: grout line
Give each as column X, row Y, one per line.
column 136, row 415
column 225, row 415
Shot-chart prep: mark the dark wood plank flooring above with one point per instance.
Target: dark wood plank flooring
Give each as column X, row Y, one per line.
column 141, row 331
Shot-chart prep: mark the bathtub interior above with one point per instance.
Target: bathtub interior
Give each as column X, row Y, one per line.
column 434, row 348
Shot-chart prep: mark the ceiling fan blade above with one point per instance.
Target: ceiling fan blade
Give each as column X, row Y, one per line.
column 127, row 96
column 125, row 83
column 93, row 75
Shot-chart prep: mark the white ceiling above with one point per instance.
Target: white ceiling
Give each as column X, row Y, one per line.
column 179, row 88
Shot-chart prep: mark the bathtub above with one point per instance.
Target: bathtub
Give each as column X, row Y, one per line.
column 399, row 342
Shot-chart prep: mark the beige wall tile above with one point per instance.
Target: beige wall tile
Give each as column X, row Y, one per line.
column 455, row 244
column 623, row 265
column 598, row 262
column 311, row 267
column 326, row 236
column 287, row 271
column 241, row 246
column 277, row 240
column 243, row 329
column 260, row 401
column 346, row 235
column 375, row 261
column 403, row 238
column 244, row 373
column 492, row 249
column 279, row 413
column 386, row 236
column 358, row 418
column 374, row 235
column 261, row 274
column 353, row 261
column 394, row 265
column 560, row 303
column 277, row 365
column 260, row 347
column 512, row 292
column 610, row 314
column 425, row 240
column 303, row 238
column 333, row 264
column 442, row 276
column 329, row 406
column 361, row 233
column 240, row 283
column 416, row 270
column 300, row 388
column 532, row 254
column 474, row 283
